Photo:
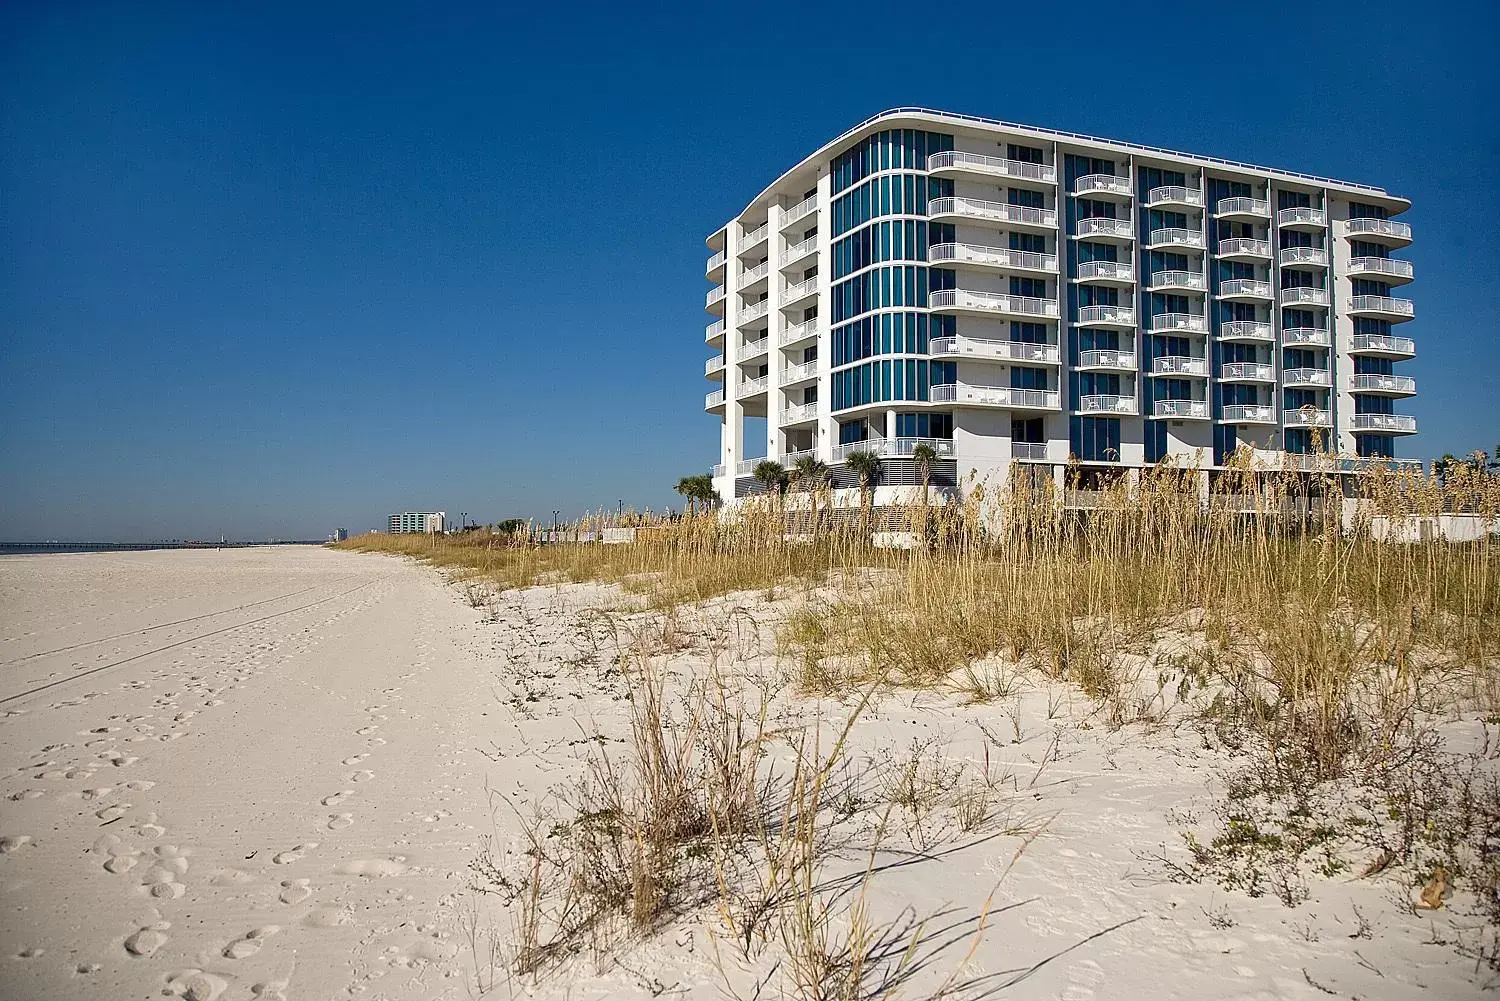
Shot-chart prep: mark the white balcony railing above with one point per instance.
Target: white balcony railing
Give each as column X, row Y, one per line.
column 789, row 460
column 1387, row 266
column 1311, row 336
column 1241, row 205
column 1090, row 184
column 1000, row 257
column 1307, row 417
column 755, row 236
column 713, row 331
column 1103, row 403
column 751, row 275
column 799, row 291
column 1191, row 322
column 996, row 396
column 1249, row 413
column 798, row 332
column 1245, row 287
column 1120, row 316
column 799, row 414
column 978, row 347
column 1105, row 226
column 1300, row 215
column 1396, row 423
column 715, row 295
column 996, row 302
column 746, row 467
column 979, row 208
column 1181, row 408
column 1243, row 246
column 755, row 348
column 715, row 262
column 754, row 311
column 797, row 251
column 714, row 399
column 1247, row 371
column 1028, row 450
column 1402, row 384
column 1191, row 280
column 1315, row 256
column 996, row 165
column 801, row 210
column 893, row 448
column 1180, row 365
column 719, row 469
column 1107, row 358
column 1247, row 330
column 1313, row 377
column 1384, row 344
column 1120, row 271
column 801, row 372
column 1304, row 297
column 1174, row 194
column 1175, row 236
column 1383, row 304
column 1389, row 228
column 753, row 387
column 713, row 364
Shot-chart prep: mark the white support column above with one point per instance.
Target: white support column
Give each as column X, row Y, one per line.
column 734, row 411
column 775, row 323
column 827, row 433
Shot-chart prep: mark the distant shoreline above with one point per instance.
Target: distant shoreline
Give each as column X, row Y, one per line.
column 58, row 548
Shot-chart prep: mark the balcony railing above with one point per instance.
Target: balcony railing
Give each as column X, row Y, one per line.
column 789, row 460
column 1090, row 184
column 1000, row 257
column 1103, row 403
column 752, row 275
column 714, row 399
column 715, row 296
column 798, row 332
column 753, row 387
column 1307, row 417
column 1246, row 330
column 1403, row 385
column 1389, row 228
column 1120, row 271
column 746, row 467
column 1174, row 194
column 978, row 208
column 1191, row 280
column 995, row 396
column 754, row 311
column 719, row 469
column 797, row 251
column 755, row 236
column 1181, row 408
column 713, row 331
column 893, row 448
column 1175, row 236
column 1249, row 287
column 981, row 164
column 1387, row 266
column 996, row 302
column 1311, row 336
column 1394, row 423
column 799, row 291
column 1028, row 450
column 1243, row 246
column 1300, row 215
column 1383, row 305
column 755, row 348
column 1249, row 413
column 1247, row 371
column 1190, row 322
column 1180, row 365
column 1107, row 358
column 1242, row 205
column 799, row 414
column 800, row 373
column 801, row 210
column 978, row 347
column 1119, row 316
column 713, row 364
column 1384, row 344
column 1314, row 377
column 1304, row 297
column 1314, row 256
column 1105, row 226
column 715, row 262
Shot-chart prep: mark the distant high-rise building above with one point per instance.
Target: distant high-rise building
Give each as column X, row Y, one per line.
column 340, row 534
column 416, row 521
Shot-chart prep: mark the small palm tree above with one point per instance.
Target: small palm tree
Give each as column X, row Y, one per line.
column 688, row 488
column 924, row 455
column 811, row 474
column 865, row 465
column 707, row 495
column 1442, row 467
column 771, row 476
column 698, row 488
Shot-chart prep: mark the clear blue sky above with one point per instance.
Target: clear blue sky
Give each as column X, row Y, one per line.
column 277, row 270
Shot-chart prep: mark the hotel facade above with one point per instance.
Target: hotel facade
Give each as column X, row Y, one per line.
column 1008, row 294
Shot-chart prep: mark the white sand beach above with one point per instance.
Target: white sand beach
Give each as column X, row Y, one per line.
column 265, row 773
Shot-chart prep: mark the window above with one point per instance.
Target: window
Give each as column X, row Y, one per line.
column 1032, row 243
column 1032, row 288
column 1028, row 430
column 1096, row 439
column 1025, row 154
column 924, row 425
column 1024, row 196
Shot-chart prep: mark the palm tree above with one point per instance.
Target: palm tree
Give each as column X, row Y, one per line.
column 688, row 488
column 1442, row 467
column 707, row 495
column 771, row 476
column 924, row 454
column 866, row 465
column 697, row 488
column 811, row 474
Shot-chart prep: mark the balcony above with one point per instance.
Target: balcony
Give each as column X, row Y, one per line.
column 1175, row 238
column 1196, row 410
column 803, row 372
column 978, row 208
column 998, row 350
column 807, row 330
column 714, row 400
column 1383, row 346
column 1100, row 403
column 797, row 251
column 1102, row 184
column 963, row 394
column 750, row 276
column 1243, row 248
column 754, row 349
column 756, row 236
column 1307, row 417
column 1028, row 450
column 792, row 295
column 1315, row 337
column 954, row 162
column 1383, row 423
column 1315, row 257
column 1108, row 272
column 719, row 470
column 1387, row 231
column 1105, row 228
column 789, row 460
column 980, row 256
column 802, row 414
column 967, row 301
column 1384, row 385
column 1178, row 281
column 714, row 300
column 1304, row 297
column 1246, row 371
column 1106, row 316
column 753, row 387
column 1174, row 195
column 1107, row 359
column 893, row 448
column 714, row 333
column 1253, row 413
column 800, row 211
column 1382, row 307
column 1191, row 323
column 1244, row 289
column 1306, row 378
column 714, row 271
column 1246, row 332
column 1180, row 365
column 752, row 312
column 1386, row 269
column 1302, row 217
column 713, row 368
column 1241, row 207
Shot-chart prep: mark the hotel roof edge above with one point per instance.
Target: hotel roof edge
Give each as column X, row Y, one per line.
column 942, row 117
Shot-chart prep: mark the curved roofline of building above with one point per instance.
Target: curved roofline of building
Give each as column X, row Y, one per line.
column 930, row 115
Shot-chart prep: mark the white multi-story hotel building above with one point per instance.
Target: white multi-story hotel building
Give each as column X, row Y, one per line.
column 416, row 521
column 1010, row 294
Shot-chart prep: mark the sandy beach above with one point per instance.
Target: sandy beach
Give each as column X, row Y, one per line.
column 265, row 773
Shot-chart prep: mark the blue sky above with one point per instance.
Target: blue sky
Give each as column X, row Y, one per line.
column 275, row 270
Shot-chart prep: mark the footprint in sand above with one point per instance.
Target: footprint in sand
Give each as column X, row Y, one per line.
column 162, row 884
column 243, row 948
column 111, row 813
column 293, row 854
column 294, row 891
column 339, row 821
column 337, row 798
column 363, row 775
column 354, row 759
column 34, row 794
column 147, row 940
column 147, row 827
column 11, row 842
column 195, row 985
column 365, row 731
